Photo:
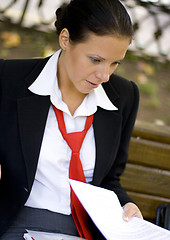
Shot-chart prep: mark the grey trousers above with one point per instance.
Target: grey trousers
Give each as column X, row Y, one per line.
column 40, row 220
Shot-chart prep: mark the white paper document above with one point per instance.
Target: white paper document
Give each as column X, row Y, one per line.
column 48, row 236
column 105, row 210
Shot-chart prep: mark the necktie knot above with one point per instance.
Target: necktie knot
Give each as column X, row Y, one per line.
column 75, row 140
column 75, row 154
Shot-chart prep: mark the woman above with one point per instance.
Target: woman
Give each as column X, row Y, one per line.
column 79, row 81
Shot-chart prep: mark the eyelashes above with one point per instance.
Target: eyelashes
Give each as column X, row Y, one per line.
column 97, row 60
column 118, row 62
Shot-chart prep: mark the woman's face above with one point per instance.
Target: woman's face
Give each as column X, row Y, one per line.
column 86, row 65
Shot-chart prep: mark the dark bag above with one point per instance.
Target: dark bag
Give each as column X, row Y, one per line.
column 163, row 216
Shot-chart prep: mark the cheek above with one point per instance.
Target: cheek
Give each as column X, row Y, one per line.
column 80, row 69
column 113, row 69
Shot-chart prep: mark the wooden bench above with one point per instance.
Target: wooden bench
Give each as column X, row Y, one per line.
column 147, row 175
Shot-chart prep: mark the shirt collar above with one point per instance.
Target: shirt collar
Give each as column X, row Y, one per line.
column 47, row 84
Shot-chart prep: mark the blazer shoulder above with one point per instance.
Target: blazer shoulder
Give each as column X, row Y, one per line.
column 14, row 75
column 21, row 65
column 124, row 89
column 19, row 69
column 122, row 84
column 1, row 65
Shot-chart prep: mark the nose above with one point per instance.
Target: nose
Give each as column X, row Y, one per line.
column 103, row 75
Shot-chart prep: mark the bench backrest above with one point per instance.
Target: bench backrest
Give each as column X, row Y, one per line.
column 147, row 175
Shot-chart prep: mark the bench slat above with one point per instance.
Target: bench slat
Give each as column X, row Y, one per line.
column 149, row 153
column 152, row 132
column 147, row 180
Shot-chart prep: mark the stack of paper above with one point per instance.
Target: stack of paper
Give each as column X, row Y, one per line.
column 48, row 236
column 105, row 210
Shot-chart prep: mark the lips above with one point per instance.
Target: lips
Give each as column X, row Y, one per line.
column 92, row 85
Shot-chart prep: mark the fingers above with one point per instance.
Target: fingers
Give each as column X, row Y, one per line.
column 131, row 210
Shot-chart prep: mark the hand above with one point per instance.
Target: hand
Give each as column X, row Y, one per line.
column 131, row 210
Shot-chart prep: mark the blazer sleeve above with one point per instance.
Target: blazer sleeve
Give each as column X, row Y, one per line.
column 1, row 66
column 128, row 106
column 1, row 70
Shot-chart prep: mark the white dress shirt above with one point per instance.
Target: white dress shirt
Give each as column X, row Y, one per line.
column 51, row 189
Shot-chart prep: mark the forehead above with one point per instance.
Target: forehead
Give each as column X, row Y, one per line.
column 107, row 46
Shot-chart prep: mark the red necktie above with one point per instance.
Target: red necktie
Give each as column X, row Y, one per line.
column 75, row 140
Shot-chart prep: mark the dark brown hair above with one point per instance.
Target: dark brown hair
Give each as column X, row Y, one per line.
column 102, row 17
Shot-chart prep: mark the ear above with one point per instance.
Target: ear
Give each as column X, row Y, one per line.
column 64, row 38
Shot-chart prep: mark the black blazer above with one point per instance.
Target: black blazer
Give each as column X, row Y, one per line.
column 23, row 117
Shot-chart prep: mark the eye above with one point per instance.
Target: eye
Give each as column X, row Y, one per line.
column 95, row 60
column 116, row 63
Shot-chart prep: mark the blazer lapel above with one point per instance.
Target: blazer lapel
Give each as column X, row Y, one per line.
column 106, row 131
column 32, row 114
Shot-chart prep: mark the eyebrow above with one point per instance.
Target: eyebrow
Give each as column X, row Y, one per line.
column 105, row 59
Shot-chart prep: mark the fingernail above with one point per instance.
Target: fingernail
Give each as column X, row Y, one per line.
column 126, row 219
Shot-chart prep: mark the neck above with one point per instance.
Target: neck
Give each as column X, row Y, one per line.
column 70, row 95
